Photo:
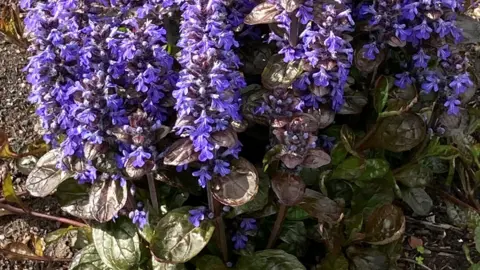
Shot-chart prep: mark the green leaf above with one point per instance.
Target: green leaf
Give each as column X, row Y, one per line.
column 156, row 265
column 477, row 238
column 210, row 262
column 474, row 266
column 87, row 259
column 296, row 213
column 414, row 176
column 56, row 235
column 418, row 200
column 339, row 153
column 279, row 74
column 294, row 236
column 270, row 259
column 435, row 149
column 374, row 168
column 70, row 190
column 333, row 262
column 365, row 200
column 176, row 240
column 270, row 156
column 382, row 88
column 118, row 243
column 435, row 164
column 400, row 132
column 45, row 178
column 350, row 169
column 9, row 192
column 258, row 202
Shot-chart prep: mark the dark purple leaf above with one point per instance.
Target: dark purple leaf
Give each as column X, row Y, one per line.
column 320, row 206
column 304, row 123
column 278, row 74
column 136, row 173
column 400, row 132
column 106, row 199
column 289, row 188
column 316, row 158
column 91, row 151
column 292, row 160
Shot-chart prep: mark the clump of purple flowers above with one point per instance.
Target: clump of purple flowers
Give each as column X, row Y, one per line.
column 139, row 216
column 428, row 30
column 100, row 79
column 240, row 238
column 207, row 94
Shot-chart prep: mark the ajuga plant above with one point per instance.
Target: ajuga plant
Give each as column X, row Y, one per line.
column 279, row 134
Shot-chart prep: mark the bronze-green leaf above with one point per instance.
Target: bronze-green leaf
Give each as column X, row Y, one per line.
column 415, row 175
column 418, row 200
column 400, row 132
column 320, row 206
column 176, row 240
column 350, row 169
column 258, row 202
column 106, row 199
column 262, row 14
column 288, row 187
column 87, row 259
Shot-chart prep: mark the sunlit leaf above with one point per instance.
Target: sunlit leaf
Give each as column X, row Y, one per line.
column 262, row 14
column 291, row 5
column 180, row 153
column 239, row 186
column 5, row 151
column 118, row 243
column 9, row 192
column 288, row 187
column 385, row 225
column 156, row 265
column 45, row 178
column 258, row 202
column 277, row 73
column 87, row 259
column 176, row 240
column 58, row 234
column 106, row 199
column 269, row 259
column 418, row 200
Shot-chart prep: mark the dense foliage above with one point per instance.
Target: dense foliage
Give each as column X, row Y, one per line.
column 282, row 134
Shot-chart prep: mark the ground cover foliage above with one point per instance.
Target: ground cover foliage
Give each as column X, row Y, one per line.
column 283, row 134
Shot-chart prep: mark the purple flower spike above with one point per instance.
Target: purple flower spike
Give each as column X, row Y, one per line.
column 239, row 241
column 248, row 224
column 452, row 104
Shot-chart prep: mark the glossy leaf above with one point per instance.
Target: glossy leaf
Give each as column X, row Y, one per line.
column 45, row 178
column 400, row 132
column 315, row 158
column 278, row 74
column 320, row 206
column 118, row 243
column 414, row 176
column 87, row 259
column 156, row 265
column 262, row 14
column 385, row 225
column 58, row 234
column 289, row 188
column 25, row 165
column 106, row 199
column 71, row 190
column 418, row 200
column 291, row 5
column 350, row 169
column 258, row 202
column 176, row 240
column 374, row 169
column 382, row 89
column 238, row 187
column 210, row 262
column 180, row 153
column 268, row 260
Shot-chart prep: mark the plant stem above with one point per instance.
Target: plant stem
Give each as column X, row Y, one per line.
column 17, row 210
column 153, row 192
column 277, row 226
column 216, row 208
column 2, row 199
column 14, row 256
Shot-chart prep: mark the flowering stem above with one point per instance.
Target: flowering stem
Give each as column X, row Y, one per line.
column 17, row 210
column 277, row 226
column 293, row 35
column 216, row 208
column 153, row 192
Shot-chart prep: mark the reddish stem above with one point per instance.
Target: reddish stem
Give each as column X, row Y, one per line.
column 282, row 212
column 17, row 210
